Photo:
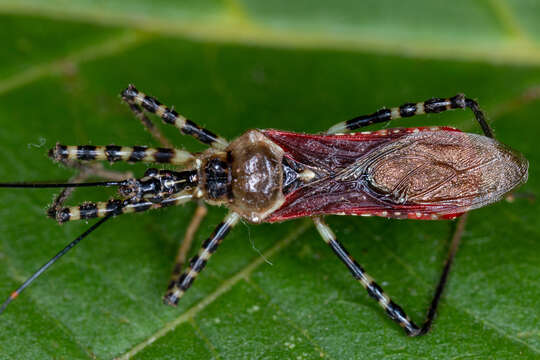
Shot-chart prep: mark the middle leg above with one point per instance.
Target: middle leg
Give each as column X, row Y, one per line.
column 194, row 224
column 179, row 286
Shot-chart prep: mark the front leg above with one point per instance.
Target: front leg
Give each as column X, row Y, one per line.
column 192, row 228
column 133, row 96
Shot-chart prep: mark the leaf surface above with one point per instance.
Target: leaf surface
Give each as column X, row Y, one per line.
column 271, row 291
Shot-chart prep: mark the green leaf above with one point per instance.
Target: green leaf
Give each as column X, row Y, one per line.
column 271, row 291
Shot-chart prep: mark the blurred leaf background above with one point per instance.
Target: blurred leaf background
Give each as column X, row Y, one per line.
column 272, row 291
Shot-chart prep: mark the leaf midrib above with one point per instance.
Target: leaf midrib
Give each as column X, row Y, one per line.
column 225, row 286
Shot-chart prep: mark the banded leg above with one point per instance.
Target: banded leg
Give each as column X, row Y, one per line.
column 84, row 172
column 61, row 198
column 194, row 224
column 393, row 310
column 434, row 105
column 134, row 97
column 149, row 125
column 115, row 153
column 115, row 207
column 178, row 287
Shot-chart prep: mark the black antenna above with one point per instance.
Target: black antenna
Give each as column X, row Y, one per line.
column 48, row 264
column 66, row 185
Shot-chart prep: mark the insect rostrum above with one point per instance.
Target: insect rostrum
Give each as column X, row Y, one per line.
column 271, row 175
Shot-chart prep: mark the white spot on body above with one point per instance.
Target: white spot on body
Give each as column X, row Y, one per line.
column 160, row 110
column 149, row 155
column 180, row 121
column 101, row 209
column 75, row 213
column 205, row 255
column 139, row 98
column 198, row 193
column 181, row 156
column 420, row 108
column 306, row 175
column 384, row 301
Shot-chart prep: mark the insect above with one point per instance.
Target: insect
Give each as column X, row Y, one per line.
column 425, row 173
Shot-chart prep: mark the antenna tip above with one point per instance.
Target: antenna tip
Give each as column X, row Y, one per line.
column 8, row 300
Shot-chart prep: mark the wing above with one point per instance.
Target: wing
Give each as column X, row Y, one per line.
column 420, row 173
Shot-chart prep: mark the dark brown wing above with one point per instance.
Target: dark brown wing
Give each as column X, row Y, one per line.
column 420, row 173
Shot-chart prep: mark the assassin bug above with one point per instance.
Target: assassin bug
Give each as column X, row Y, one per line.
column 270, row 176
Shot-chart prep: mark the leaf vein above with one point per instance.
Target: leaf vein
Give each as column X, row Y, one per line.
column 220, row 290
column 111, row 46
column 297, row 327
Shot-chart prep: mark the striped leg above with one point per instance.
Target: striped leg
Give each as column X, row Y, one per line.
column 194, row 224
column 84, row 172
column 434, row 105
column 134, row 97
column 393, row 310
column 115, row 207
column 66, row 193
column 115, row 153
column 149, row 125
column 178, row 287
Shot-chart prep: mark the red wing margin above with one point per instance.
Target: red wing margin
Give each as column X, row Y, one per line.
column 418, row 173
